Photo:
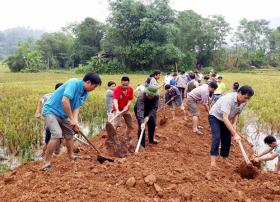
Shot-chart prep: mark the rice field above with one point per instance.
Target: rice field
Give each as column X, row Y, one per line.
column 21, row 132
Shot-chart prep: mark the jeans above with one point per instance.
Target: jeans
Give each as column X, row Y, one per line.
column 151, row 129
column 220, row 134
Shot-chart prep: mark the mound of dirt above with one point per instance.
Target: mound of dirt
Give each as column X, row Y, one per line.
column 177, row 169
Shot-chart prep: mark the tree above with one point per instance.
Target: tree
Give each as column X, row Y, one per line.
column 274, row 44
column 26, row 57
column 140, row 36
column 201, row 38
column 57, row 49
column 252, row 35
column 88, row 35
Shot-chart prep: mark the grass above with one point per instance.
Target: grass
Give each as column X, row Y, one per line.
column 266, row 99
column 21, row 133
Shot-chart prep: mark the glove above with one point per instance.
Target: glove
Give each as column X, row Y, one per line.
column 143, row 126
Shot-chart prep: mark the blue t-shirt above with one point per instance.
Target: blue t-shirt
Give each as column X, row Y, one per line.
column 172, row 82
column 73, row 89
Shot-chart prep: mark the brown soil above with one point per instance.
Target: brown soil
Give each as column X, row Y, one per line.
column 247, row 171
column 175, row 170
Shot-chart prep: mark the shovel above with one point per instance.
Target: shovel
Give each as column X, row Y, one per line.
column 101, row 159
column 139, row 141
column 247, row 170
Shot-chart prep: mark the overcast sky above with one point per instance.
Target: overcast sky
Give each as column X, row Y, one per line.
column 51, row 15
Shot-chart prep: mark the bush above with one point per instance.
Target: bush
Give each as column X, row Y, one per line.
column 101, row 65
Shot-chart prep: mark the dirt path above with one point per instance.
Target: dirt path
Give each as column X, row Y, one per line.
column 179, row 164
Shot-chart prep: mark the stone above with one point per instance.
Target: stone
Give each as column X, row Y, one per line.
column 131, row 182
column 150, row 179
column 171, row 187
column 208, row 176
column 158, row 190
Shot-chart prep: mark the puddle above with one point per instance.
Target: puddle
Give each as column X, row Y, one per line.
column 255, row 134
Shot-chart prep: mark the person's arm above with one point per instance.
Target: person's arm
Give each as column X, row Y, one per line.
column 205, row 100
column 116, row 105
column 38, row 110
column 67, row 108
column 234, row 121
column 266, row 158
column 115, row 99
column 230, row 126
column 140, row 108
column 153, row 111
column 76, row 114
column 131, row 96
column 127, row 106
column 264, row 152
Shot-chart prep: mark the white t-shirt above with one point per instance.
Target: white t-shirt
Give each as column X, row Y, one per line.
column 140, row 88
column 167, row 79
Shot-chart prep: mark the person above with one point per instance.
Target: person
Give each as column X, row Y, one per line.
column 154, row 79
column 221, row 85
column 167, row 78
column 139, row 89
column 192, row 84
column 146, row 112
column 205, row 80
column 213, row 77
column 187, row 77
column 181, row 84
column 173, row 98
column 61, row 113
column 273, row 148
column 148, row 80
column 220, row 90
column 235, row 87
column 38, row 115
column 198, row 76
column 223, row 118
column 173, row 79
column 198, row 94
column 123, row 97
column 109, row 99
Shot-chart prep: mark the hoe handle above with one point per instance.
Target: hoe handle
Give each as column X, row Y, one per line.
column 139, row 141
column 84, row 136
column 112, row 119
column 171, row 99
column 244, row 154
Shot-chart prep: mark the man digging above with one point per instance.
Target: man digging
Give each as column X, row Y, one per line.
column 123, row 96
column 223, row 118
column 61, row 113
column 173, row 98
column 145, row 111
column 200, row 94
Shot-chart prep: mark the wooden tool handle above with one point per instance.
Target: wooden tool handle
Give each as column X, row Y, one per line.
column 84, row 136
column 139, row 141
column 112, row 119
column 244, row 154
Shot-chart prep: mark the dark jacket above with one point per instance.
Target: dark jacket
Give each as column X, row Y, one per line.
column 145, row 107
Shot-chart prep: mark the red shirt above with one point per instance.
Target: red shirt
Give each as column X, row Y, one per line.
column 123, row 98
